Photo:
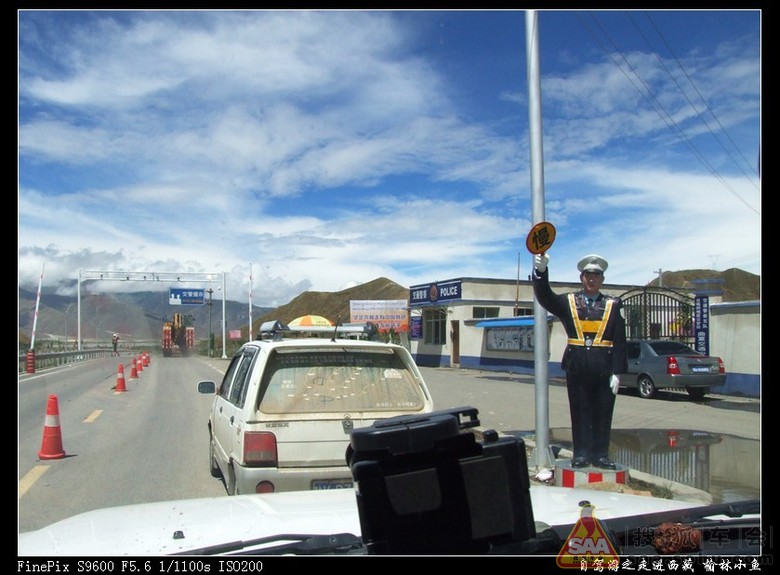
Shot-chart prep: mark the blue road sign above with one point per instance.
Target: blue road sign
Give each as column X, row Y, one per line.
column 186, row 296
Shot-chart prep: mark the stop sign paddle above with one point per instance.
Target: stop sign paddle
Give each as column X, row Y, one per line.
column 540, row 238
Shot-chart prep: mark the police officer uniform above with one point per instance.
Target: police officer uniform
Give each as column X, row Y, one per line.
column 596, row 351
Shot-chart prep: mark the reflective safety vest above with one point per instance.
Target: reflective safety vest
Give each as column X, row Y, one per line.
column 594, row 326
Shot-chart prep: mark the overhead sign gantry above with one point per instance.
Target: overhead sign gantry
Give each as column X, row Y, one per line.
column 155, row 277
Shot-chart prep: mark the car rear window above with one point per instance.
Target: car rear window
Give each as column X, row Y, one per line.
column 329, row 380
column 671, row 348
column 632, row 349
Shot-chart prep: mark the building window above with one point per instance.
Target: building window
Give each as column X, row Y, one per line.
column 484, row 312
column 523, row 311
column 435, row 326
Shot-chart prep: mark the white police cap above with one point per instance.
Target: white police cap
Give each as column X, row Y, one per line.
column 592, row 262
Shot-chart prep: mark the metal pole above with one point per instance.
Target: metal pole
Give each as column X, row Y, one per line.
column 224, row 328
column 517, row 287
column 250, row 302
column 210, row 304
column 37, row 305
column 542, row 455
column 78, row 312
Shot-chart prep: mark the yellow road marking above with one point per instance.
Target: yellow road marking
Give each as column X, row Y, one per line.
column 93, row 416
column 30, row 478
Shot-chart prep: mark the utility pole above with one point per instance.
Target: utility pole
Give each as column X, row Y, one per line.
column 209, row 303
column 517, row 289
column 250, row 302
column 67, row 311
column 660, row 277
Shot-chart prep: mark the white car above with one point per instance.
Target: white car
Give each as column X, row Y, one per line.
column 288, row 522
column 282, row 416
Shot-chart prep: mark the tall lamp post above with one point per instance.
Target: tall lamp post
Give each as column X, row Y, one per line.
column 67, row 311
column 210, row 303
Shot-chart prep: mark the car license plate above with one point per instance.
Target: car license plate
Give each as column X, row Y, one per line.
column 700, row 369
column 331, row 484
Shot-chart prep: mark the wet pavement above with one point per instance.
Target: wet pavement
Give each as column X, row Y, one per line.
column 709, row 446
column 710, row 462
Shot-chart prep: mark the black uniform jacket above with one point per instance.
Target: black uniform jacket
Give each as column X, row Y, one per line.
column 596, row 347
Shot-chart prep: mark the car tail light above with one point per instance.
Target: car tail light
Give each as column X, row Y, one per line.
column 265, row 487
column 672, row 367
column 721, row 366
column 260, row 449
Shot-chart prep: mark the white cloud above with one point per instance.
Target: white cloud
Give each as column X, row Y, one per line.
column 336, row 147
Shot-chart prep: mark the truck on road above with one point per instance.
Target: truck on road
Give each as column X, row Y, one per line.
column 178, row 337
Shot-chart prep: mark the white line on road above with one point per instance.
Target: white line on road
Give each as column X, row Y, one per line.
column 93, row 416
column 30, row 478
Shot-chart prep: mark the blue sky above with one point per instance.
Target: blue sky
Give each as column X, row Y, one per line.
column 324, row 149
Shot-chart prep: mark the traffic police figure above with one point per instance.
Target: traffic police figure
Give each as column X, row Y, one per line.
column 595, row 354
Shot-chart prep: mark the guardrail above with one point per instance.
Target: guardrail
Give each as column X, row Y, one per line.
column 32, row 361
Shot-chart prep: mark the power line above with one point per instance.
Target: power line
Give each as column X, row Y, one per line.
column 646, row 92
column 701, row 97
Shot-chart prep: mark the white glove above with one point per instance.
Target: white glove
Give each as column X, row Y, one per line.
column 614, row 383
column 540, row 262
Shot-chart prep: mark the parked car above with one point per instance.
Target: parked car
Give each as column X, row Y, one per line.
column 282, row 417
column 664, row 364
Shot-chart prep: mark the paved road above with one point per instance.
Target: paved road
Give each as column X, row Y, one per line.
column 118, row 445
column 506, row 402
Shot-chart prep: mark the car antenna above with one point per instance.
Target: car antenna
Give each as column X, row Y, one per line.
column 336, row 328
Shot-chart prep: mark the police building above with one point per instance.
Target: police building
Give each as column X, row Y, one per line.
column 488, row 324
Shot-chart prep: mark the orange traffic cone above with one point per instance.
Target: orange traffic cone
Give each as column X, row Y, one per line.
column 133, row 370
column 120, row 378
column 139, row 363
column 145, row 356
column 51, row 445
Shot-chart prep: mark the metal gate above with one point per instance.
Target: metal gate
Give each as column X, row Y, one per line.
column 659, row 313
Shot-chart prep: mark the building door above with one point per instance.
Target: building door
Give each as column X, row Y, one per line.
column 455, row 340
